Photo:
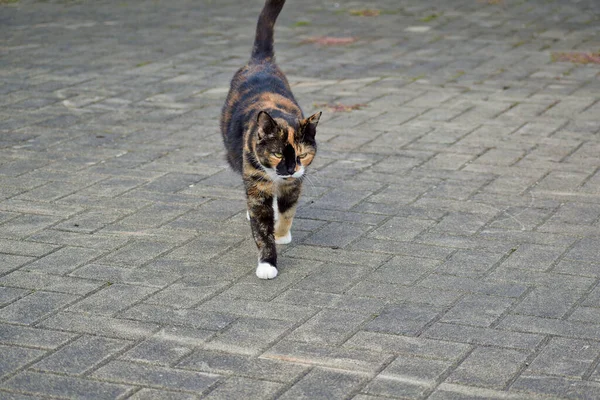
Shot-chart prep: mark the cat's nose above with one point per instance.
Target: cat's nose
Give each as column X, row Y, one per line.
column 291, row 169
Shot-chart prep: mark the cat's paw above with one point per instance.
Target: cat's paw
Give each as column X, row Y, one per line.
column 266, row 271
column 284, row 239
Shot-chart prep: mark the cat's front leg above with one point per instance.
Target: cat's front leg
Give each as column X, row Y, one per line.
column 261, row 222
column 286, row 204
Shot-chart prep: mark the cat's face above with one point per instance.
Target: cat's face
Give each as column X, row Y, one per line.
column 285, row 150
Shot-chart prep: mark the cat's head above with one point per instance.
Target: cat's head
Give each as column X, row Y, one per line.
column 284, row 148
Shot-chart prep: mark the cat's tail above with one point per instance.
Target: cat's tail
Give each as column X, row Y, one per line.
column 263, row 43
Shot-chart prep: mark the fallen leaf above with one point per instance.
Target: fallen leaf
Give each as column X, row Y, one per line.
column 365, row 13
column 577, row 57
column 338, row 107
column 330, row 41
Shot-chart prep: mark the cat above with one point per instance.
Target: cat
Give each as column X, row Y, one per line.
column 268, row 141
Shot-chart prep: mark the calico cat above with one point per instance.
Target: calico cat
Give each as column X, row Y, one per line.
column 268, row 141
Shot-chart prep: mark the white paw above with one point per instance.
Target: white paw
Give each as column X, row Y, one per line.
column 248, row 215
column 284, row 239
column 266, row 271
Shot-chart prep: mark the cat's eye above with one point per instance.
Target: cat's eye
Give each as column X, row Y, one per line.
column 278, row 155
column 303, row 155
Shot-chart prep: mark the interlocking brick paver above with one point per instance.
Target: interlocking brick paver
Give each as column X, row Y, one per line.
column 32, row 337
column 476, row 370
column 16, row 357
column 156, row 394
column 245, row 388
column 80, row 356
column 35, row 306
column 324, row 384
column 327, row 356
column 405, row 319
column 446, row 245
column 157, row 351
column 64, row 386
column 248, row 366
column 161, row 377
column 483, row 336
column 556, row 386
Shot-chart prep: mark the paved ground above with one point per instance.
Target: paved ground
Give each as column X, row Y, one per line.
column 448, row 245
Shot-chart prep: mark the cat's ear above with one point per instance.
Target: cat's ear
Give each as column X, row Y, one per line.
column 310, row 125
column 266, row 125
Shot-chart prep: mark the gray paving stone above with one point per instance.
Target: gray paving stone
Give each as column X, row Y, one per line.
column 329, row 327
column 94, row 325
column 572, row 267
column 333, row 278
column 90, row 241
column 243, row 365
column 336, row 235
column 156, row 394
column 388, row 387
column 566, row 357
column 483, row 336
column 249, row 335
column 548, row 302
column 414, row 369
column 532, row 256
column 252, row 289
column 585, row 250
column 258, row 309
column 447, row 391
column 470, row 263
column 330, row 300
column 157, row 351
column 404, row 319
column 478, row 310
column 204, row 248
column 64, row 386
column 14, row 358
column 80, row 356
column 237, row 387
column 326, row 356
column 213, row 321
column 403, row 248
column 550, row 326
column 32, row 337
column 324, row 384
column 104, row 274
column 400, row 293
column 64, row 260
column 112, row 299
column 476, row 371
column 26, row 225
column 8, row 295
column 407, row 345
column 404, row 270
column 542, row 279
column 14, row 396
column 336, row 256
column 185, row 294
column 35, row 306
column 401, row 229
column 154, row 376
column 555, row 386
column 135, row 253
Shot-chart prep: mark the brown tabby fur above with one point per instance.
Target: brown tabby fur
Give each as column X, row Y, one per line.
column 268, row 141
